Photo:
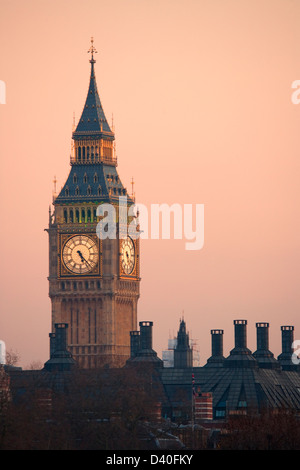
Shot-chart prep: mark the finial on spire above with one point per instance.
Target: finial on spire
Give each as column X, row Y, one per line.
column 112, row 123
column 92, row 50
column 54, row 189
column 55, row 181
column 132, row 189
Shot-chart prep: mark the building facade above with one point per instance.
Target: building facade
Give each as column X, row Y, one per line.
column 94, row 271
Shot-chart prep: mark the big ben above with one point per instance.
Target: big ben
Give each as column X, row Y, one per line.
column 93, row 280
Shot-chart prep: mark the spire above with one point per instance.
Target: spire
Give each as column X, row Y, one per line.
column 93, row 121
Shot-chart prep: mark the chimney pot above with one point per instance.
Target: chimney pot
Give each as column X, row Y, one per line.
column 240, row 333
column 217, row 342
column 262, row 335
column 134, row 343
column 146, row 334
column 287, row 338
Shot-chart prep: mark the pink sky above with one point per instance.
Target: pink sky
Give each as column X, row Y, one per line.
column 201, row 94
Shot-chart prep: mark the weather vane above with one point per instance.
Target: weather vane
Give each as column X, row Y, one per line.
column 92, row 50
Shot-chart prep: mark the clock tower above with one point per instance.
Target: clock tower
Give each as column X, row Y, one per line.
column 93, row 279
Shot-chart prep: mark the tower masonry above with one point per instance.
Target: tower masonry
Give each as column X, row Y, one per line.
column 93, row 280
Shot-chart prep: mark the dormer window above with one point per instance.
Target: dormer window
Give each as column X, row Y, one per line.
column 99, row 190
column 89, row 190
column 85, row 178
column 95, row 178
column 75, row 179
column 77, row 191
column 67, row 191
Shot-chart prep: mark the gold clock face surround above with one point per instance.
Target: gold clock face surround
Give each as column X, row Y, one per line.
column 127, row 256
column 80, row 254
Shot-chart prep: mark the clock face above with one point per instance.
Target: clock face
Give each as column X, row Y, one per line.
column 80, row 254
column 127, row 255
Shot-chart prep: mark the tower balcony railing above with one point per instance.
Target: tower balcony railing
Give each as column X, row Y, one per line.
column 90, row 160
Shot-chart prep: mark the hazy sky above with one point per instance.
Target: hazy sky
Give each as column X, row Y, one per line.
column 200, row 92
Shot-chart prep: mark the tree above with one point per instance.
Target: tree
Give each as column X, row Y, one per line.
column 276, row 429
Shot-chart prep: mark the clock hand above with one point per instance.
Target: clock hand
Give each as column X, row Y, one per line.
column 82, row 258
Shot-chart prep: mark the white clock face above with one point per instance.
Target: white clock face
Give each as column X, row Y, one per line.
column 127, row 255
column 80, row 254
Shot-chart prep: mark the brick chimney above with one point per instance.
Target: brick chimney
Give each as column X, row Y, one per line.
column 216, row 359
column 60, row 358
column 263, row 356
column 287, row 339
column 240, row 356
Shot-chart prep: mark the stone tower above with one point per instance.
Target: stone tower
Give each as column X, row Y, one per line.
column 94, row 272
column 183, row 354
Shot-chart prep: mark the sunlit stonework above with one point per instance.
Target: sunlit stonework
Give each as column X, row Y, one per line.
column 93, row 283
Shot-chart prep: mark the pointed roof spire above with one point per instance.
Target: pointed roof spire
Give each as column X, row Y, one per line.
column 93, row 121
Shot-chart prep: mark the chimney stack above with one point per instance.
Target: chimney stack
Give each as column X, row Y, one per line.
column 263, row 356
column 240, row 356
column 217, row 357
column 141, row 346
column 287, row 339
column 262, row 336
column 146, row 334
column 60, row 358
column 52, row 343
column 240, row 333
column 134, row 343
column 61, row 336
column 217, row 342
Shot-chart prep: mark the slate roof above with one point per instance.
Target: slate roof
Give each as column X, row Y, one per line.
column 93, row 120
column 235, row 388
column 85, row 181
column 93, row 181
